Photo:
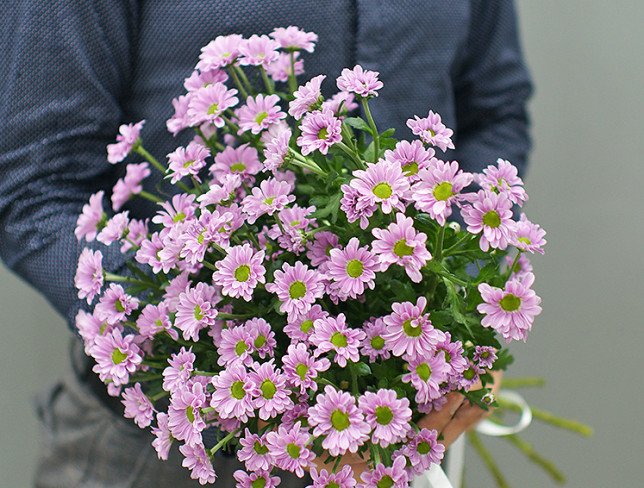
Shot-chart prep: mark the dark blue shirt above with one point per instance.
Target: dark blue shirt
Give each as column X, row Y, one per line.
column 73, row 70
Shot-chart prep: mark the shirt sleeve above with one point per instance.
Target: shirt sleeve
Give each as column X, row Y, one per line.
column 66, row 68
column 492, row 87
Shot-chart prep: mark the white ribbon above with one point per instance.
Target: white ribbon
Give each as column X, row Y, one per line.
column 435, row 477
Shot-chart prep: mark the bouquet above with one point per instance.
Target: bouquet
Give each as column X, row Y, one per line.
column 307, row 291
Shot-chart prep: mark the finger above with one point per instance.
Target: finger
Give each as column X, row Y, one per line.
column 438, row 420
column 465, row 418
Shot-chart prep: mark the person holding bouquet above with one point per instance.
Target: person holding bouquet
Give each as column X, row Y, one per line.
column 78, row 70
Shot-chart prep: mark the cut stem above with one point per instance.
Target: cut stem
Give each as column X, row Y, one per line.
column 374, row 129
column 526, row 448
column 488, row 459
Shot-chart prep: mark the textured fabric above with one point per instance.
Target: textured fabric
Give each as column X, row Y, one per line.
column 73, row 70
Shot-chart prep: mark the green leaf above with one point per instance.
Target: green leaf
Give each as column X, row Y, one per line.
column 362, row 369
column 358, row 123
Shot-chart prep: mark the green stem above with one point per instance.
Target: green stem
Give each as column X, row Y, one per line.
column 159, row 396
column 526, row 448
column 267, row 81
column 204, row 373
column 438, row 251
column 209, row 265
column 303, row 162
column 139, row 149
column 292, row 80
column 354, row 380
column 127, row 279
column 550, row 418
column 488, row 459
column 352, row 154
column 233, row 316
column 224, row 441
column 514, row 263
column 526, row 382
column 374, row 129
column 466, row 237
column 238, row 83
column 244, row 79
column 149, row 196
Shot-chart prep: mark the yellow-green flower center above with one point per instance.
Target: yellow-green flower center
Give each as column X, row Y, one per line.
column 423, row 371
column 323, row 133
column 332, row 484
column 190, row 414
column 297, row 290
column 237, row 167
column 469, row 373
column 510, row 303
column 410, row 169
column 260, row 448
column 241, row 347
column 260, row 117
column 201, row 237
column 338, row 339
column 377, row 343
column 301, row 370
column 423, row 448
column 384, row 415
column 237, row 390
column 259, row 483
column 242, row 273
column 213, row 109
column 382, row 190
column 385, row 482
column 179, row 217
column 525, row 240
column 118, row 357
column 306, row 326
column 411, row 330
column 268, row 389
column 260, row 341
column 355, row 268
column 401, row 249
column 269, row 200
column 448, row 356
column 188, row 163
column 198, row 313
column 118, row 305
column 491, row 219
column 443, row 191
column 340, row 420
column 293, row 450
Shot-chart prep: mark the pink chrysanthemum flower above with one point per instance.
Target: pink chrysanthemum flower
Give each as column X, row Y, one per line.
column 276, row 151
column 150, row 253
column 200, row 79
column 289, row 449
column 342, row 479
column 180, row 370
column 356, row 207
column 374, row 345
column 256, row 479
column 262, row 336
column 319, row 249
column 470, row 377
column 521, row 269
column 340, row 104
column 300, row 327
column 240, row 271
column 363, row 83
column 389, row 416
column 223, row 192
column 431, row 130
column 299, row 413
column 220, row 52
column 187, row 161
column 196, row 310
column 293, row 38
column 423, row 450
column 115, row 305
column 137, row 406
column 352, row 268
column 128, row 136
column 174, row 289
column 528, row 236
column 162, row 437
column 394, row 476
column 137, row 232
column 271, row 396
column 155, row 319
column 297, row 287
column 254, row 452
column 333, row 334
column 242, row 161
column 510, row 311
column 307, row 97
column 180, row 209
column 184, row 413
column 381, row 183
column 438, row 188
column 336, row 417
column 401, row 244
column 116, row 357
column 179, row 120
column 410, row 331
column 89, row 274
column 411, row 156
column 115, row 229
column 296, row 222
column 209, row 103
column 236, row 345
column 484, row 356
column 197, row 236
column 89, row 327
column 453, row 353
column 270, row 197
column 281, row 68
column 301, row 368
column 504, row 178
column 259, row 113
column 232, row 397
column 490, row 214
column 199, row 463
column 426, row 373
column 258, row 51
column 129, row 185
column 320, row 131
column 92, row 219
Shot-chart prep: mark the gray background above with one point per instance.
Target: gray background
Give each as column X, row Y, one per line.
column 585, row 185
